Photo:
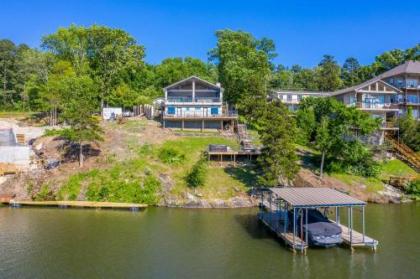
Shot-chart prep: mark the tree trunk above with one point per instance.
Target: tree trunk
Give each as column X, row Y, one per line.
column 80, row 154
column 321, row 173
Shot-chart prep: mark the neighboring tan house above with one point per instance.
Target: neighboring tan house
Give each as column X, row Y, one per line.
column 194, row 103
column 386, row 96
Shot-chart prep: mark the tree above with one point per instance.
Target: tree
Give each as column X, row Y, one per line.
column 105, row 54
column 336, row 134
column 243, row 68
column 328, row 73
column 305, row 79
column 349, row 73
column 278, row 160
column 9, row 55
column 174, row 69
column 410, row 130
column 79, row 93
column 323, row 141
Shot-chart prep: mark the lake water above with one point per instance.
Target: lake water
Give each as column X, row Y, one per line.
column 187, row 243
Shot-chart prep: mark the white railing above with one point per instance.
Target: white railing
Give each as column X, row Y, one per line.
column 200, row 115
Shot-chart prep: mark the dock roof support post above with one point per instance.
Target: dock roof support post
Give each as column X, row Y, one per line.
column 337, row 215
column 294, row 226
column 306, row 226
column 286, row 221
column 351, row 224
column 363, row 223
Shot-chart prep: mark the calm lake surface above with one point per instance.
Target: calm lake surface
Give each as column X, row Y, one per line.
column 187, row 243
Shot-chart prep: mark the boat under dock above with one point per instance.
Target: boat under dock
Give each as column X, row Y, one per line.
column 277, row 202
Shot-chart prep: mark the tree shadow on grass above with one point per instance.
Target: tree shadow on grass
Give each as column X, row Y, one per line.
column 71, row 151
column 247, row 174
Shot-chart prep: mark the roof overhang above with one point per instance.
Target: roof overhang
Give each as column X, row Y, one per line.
column 307, row 197
column 192, row 78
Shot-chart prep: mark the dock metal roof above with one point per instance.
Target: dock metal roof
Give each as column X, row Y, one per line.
column 315, row 197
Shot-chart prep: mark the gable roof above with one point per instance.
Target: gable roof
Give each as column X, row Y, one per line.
column 364, row 84
column 192, row 78
column 409, row 67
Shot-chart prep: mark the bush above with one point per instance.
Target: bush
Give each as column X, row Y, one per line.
column 52, row 132
column 413, row 187
column 171, row 155
column 44, row 194
column 197, row 175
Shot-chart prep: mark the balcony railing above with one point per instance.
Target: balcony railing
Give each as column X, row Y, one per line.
column 200, row 115
column 376, row 105
column 389, row 125
column 179, row 99
column 190, row 100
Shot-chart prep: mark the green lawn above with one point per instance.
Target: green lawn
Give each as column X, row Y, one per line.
column 373, row 184
column 397, row 168
column 15, row 114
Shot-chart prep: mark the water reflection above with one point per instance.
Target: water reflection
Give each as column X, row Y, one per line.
column 183, row 243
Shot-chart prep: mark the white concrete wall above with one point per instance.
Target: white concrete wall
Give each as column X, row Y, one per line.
column 19, row 155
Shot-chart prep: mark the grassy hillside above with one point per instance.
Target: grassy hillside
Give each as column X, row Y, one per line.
column 137, row 179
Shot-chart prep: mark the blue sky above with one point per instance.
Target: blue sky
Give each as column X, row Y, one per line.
column 302, row 30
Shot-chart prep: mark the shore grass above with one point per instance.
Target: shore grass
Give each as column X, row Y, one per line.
column 15, row 114
column 372, row 184
column 396, row 167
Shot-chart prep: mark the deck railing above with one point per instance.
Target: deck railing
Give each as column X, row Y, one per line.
column 200, row 115
column 376, row 105
column 190, row 100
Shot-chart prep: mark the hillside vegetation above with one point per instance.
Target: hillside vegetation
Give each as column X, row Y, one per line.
column 136, row 167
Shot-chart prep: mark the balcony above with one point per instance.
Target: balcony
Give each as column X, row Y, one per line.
column 389, row 126
column 201, row 115
column 377, row 106
column 200, row 100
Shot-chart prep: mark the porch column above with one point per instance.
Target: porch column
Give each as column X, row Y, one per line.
column 202, row 125
column 193, row 91
column 221, row 125
column 182, row 126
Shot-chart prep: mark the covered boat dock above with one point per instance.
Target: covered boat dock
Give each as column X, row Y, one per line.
column 278, row 203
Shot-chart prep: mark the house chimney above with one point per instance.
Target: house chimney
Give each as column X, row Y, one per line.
column 218, row 84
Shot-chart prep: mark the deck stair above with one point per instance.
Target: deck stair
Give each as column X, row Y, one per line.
column 244, row 137
column 405, row 153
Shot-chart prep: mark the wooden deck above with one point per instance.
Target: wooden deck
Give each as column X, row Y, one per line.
column 78, row 204
column 356, row 239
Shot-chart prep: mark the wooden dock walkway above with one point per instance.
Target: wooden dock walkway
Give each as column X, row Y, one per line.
column 78, row 204
column 356, row 239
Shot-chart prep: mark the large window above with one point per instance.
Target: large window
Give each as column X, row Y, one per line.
column 411, row 83
column 171, row 110
column 412, row 98
column 214, row 111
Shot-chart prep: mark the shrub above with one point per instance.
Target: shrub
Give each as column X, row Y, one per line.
column 51, row 132
column 413, row 187
column 197, row 175
column 171, row 155
column 44, row 194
